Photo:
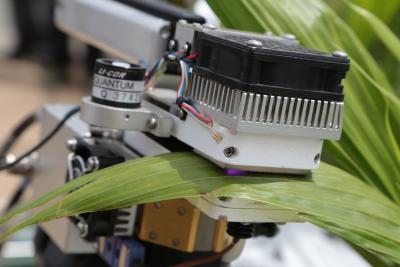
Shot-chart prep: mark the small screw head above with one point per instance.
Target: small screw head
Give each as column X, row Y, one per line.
column 339, row 54
column 153, row 235
column 176, row 242
column 165, row 32
column 210, row 26
column 172, row 44
column 317, row 158
column 182, row 21
column 254, row 43
column 229, row 151
column 72, row 144
column 158, row 205
column 289, row 36
column 181, row 211
column 92, row 163
column 186, row 47
column 83, row 228
column 152, row 123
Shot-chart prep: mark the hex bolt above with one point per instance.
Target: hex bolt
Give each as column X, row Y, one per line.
column 339, row 54
column 181, row 211
column 229, row 151
column 254, row 43
column 92, row 163
column 176, row 242
column 72, row 144
column 153, row 235
column 151, row 123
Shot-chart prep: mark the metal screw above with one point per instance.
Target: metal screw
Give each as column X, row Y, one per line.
column 165, row 32
column 181, row 114
column 182, row 21
column 152, row 123
column 153, row 235
column 72, row 144
column 339, row 54
column 229, row 151
column 186, row 47
column 181, row 211
column 317, row 158
column 83, row 228
column 210, row 26
column 171, row 44
column 93, row 163
column 254, row 43
column 175, row 242
column 158, row 205
column 289, row 36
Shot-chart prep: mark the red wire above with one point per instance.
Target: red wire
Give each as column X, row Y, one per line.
column 196, row 114
column 192, row 56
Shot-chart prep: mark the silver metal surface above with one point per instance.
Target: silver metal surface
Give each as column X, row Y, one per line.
column 257, row 113
column 185, row 31
column 137, row 119
column 114, row 27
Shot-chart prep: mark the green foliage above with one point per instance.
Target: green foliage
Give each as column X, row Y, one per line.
column 330, row 198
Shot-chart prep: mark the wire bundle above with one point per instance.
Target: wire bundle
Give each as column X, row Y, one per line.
column 183, row 102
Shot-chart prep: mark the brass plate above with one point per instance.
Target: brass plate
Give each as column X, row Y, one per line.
column 171, row 223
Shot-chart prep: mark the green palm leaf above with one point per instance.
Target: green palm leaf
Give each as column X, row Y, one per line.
column 330, row 198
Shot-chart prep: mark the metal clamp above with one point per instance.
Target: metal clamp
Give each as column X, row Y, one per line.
column 137, row 119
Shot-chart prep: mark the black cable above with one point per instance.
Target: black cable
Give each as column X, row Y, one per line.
column 15, row 134
column 44, row 140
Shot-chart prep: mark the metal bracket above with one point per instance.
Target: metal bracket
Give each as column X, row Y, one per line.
column 137, row 119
